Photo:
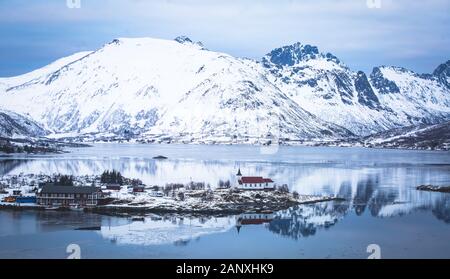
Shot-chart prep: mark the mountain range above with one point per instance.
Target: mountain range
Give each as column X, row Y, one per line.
column 177, row 90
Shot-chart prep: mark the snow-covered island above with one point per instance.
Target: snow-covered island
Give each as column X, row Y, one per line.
column 118, row 194
column 218, row 201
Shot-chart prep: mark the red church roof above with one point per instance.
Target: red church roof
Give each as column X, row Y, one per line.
column 255, row 221
column 254, row 180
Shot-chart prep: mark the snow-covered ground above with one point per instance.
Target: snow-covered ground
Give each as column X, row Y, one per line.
column 210, row 201
column 432, row 137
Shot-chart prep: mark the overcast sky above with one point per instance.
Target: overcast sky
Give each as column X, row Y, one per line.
column 409, row 33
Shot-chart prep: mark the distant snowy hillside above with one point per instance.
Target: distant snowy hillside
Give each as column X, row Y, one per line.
column 415, row 137
column 15, row 125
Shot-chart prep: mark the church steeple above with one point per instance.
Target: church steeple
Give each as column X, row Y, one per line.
column 238, row 178
column 238, row 225
column 239, row 172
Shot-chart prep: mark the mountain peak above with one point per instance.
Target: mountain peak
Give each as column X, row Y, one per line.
column 185, row 40
column 442, row 73
column 297, row 52
column 116, row 41
column 442, row 68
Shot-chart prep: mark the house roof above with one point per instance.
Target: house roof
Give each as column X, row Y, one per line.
column 112, row 184
column 254, row 179
column 56, row 189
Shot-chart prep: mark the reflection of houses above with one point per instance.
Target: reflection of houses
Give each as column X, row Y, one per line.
column 254, row 182
column 54, row 195
column 252, row 219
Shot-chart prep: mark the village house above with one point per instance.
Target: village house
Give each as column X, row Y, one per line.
column 66, row 196
column 138, row 189
column 113, row 186
column 253, row 182
column 17, row 193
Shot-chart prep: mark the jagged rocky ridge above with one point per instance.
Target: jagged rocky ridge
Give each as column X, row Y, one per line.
column 178, row 90
column 390, row 97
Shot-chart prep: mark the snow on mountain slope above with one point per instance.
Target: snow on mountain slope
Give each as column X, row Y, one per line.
column 324, row 86
column 321, row 84
column 413, row 98
column 14, row 125
column 249, row 106
column 29, row 77
column 159, row 87
column 409, row 98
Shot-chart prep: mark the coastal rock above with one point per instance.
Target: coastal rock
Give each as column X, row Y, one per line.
column 434, row 188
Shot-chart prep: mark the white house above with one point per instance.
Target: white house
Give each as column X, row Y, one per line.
column 254, row 182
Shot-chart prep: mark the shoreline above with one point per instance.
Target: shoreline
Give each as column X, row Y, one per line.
column 329, row 144
column 88, row 144
column 226, row 209
column 232, row 209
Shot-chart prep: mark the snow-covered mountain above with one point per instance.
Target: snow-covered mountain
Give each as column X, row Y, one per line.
column 16, row 125
column 160, row 88
column 391, row 97
column 178, row 90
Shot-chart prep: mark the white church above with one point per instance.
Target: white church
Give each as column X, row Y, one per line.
column 253, row 182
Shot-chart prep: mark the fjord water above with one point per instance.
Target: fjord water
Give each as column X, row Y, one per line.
column 381, row 204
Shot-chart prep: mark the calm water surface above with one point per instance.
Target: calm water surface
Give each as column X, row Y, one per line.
column 382, row 206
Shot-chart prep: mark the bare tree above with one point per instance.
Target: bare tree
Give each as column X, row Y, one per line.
column 283, row 188
column 224, row 184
